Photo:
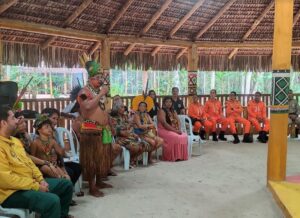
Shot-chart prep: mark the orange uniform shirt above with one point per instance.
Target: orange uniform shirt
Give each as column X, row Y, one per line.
column 256, row 110
column 213, row 108
column 233, row 108
column 196, row 110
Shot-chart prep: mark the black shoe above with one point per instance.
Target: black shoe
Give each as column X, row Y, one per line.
column 262, row 137
column 236, row 139
column 195, row 133
column 73, row 203
column 221, row 136
column 202, row 134
column 247, row 138
column 296, row 132
column 214, row 134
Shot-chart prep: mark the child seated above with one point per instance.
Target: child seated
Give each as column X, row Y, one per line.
column 45, row 147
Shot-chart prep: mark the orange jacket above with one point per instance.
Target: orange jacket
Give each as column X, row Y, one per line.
column 213, row 108
column 233, row 108
column 256, row 110
column 196, row 110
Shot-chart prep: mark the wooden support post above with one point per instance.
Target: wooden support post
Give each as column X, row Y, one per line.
column 192, row 69
column 281, row 63
column 105, row 61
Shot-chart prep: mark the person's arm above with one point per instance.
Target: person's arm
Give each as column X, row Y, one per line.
column 264, row 111
column 228, row 109
column 250, row 110
column 34, row 147
column 58, row 149
column 12, row 181
column 151, row 124
column 161, row 116
column 89, row 104
column 238, row 108
column 137, row 121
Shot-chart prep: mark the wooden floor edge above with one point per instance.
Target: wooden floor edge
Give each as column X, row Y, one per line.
column 279, row 202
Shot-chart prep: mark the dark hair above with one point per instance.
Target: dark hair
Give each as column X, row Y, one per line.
column 50, row 111
column 233, row 92
column 213, row 90
column 258, row 93
column 175, row 88
column 149, row 93
column 142, row 102
column 168, row 98
column 4, row 109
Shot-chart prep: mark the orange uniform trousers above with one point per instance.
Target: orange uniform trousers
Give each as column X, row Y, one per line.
column 238, row 119
column 206, row 124
column 257, row 124
column 222, row 120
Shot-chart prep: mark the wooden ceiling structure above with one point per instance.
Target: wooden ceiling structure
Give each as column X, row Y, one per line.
column 157, row 34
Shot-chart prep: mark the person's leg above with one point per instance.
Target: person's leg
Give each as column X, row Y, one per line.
column 213, row 128
column 224, row 125
column 246, row 125
column 197, row 126
column 45, row 203
column 266, row 125
column 74, row 171
column 255, row 123
column 63, row 188
column 231, row 122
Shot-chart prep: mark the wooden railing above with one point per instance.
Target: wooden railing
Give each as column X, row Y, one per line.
column 60, row 103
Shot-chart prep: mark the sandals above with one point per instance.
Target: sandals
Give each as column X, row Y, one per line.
column 80, row 194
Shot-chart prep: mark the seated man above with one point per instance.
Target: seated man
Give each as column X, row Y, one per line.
column 234, row 110
column 22, row 184
column 199, row 118
column 213, row 108
column 294, row 111
column 257, row 116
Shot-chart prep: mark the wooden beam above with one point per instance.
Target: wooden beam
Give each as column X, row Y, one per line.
column 91, row 36
column 129, row 49
column 213, row 20
column 179, row 54
column 6, row 5
column 233, row 53
column 1, row 58
column 94, row 48
column 119, row 15
column 186, row 17
column 258, row 20
column 154, row 52
column 193, row 58
column 48, row 42
column 105, row 55
column 254, row 25
column 155, row 17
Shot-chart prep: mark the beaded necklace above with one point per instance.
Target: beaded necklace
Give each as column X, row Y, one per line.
column 46, row 146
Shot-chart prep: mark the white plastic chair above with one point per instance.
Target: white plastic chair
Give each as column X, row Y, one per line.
column 60, row 132
column 125, row 154
column 189, row 131
column 22, row 213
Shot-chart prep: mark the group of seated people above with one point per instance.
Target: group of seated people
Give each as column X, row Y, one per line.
column 35, row 162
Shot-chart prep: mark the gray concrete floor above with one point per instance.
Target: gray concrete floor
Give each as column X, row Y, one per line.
column 226, row 181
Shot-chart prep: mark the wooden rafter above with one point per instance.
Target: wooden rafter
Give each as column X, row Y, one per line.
column 181, row 53
column 70, row 20
column 119, row 15
column 254, row 25
column 155, row 17
column 91, row 36
column 186, row 17
column 6, row 5
column 214, row 19
column 94, row 47
column 129, row 49
column 154, row 52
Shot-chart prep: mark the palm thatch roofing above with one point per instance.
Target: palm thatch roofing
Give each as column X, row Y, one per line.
column 229, row 34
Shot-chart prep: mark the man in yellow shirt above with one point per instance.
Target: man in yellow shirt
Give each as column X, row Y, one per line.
column 22, row 184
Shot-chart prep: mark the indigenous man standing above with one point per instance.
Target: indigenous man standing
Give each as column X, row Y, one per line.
column 234, row 110
column 95, row 134
column 257, row 116
column 213, row 108
column 199, row 118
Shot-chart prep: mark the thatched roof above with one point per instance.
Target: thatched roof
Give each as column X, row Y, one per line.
column 230, row 34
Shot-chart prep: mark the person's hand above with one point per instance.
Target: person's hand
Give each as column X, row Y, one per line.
column 43, row 188
column 104, row 90
column 260, row 119
column 44, row 183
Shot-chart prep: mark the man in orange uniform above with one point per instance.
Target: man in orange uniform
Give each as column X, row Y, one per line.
column 213, row 108
column 234, row 110
column 257, row 115
column 199, row 118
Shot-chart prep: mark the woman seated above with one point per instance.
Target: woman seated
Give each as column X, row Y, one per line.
column 175, row 142
column 124, row 133
column 156, row 107
column 145, row 129
column 45, row 147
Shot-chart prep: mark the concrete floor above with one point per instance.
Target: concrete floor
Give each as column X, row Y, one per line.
column 225, row 181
